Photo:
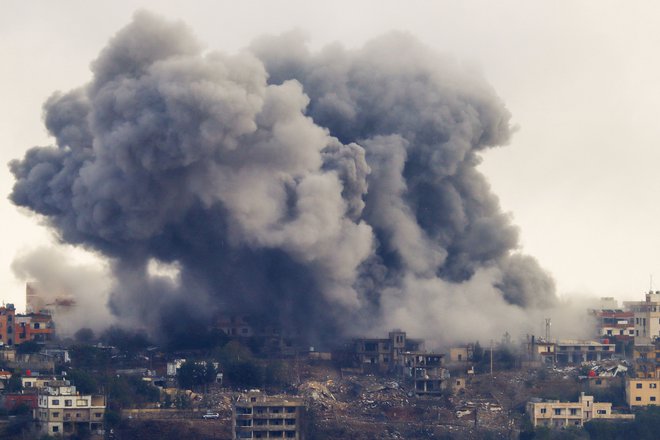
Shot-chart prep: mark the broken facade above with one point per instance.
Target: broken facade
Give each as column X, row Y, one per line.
column 426, row 372
column 385, row 355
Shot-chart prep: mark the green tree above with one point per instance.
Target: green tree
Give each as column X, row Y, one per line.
column 126, row 340
column 477, row 353
column 14, row 384
column 85, row 383
column 88, row 357
column 193, row 374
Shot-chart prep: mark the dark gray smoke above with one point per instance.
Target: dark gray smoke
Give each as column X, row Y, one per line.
column 321, row 191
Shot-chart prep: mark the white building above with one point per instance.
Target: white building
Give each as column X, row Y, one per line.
column 647, row 318
column 61, row 410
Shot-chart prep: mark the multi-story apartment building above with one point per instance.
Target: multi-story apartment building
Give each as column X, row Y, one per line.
column 256, row 415
column 647, row 317
column 615, row 324
column 61, row 410
column 646, row 360
column 426, row 372
column 385, row 354
column 574, row 351
column 642, row 391
column 16, row 328
column 556, row 414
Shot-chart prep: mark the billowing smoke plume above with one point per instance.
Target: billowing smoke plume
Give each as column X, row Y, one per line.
column 323, row 191
column 70, row 289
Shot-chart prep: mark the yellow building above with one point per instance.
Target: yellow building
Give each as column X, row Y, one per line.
column 642, row 391
column 460, row 354
column 556, row 414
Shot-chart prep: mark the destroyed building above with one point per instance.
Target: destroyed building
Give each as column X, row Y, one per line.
column 426, row 372
column 385, row 354
column 256, row 415
column 571, row 351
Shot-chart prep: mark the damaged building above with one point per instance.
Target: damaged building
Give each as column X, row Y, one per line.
column 405, row 357
column 426, row 372
column 385, row 354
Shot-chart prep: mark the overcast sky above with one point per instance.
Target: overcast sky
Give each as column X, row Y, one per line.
column 581, row 78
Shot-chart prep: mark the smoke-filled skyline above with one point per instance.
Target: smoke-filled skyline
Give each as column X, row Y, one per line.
column 331, row 190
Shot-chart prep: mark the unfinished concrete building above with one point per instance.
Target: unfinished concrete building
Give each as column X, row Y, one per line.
column 255, row 415
column 383, row 355
column 575, row 352
column 426, row 372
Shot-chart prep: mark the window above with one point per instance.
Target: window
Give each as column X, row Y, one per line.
column 653, row 385
column 543, row 410
column 68, row 402
column 36, row 325
column 56, row 429
column 573, row 411
column 56, row 401
column 56, row 414
column 652, row 398
column 599, row 381
column 601, row 411
column 98, row 415
column 557, row 411
column 638, row 399
column 638, row 385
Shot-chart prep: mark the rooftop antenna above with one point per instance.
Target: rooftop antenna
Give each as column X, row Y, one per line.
column 548, row 323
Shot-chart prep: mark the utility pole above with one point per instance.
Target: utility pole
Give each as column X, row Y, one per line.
column 491, row 357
